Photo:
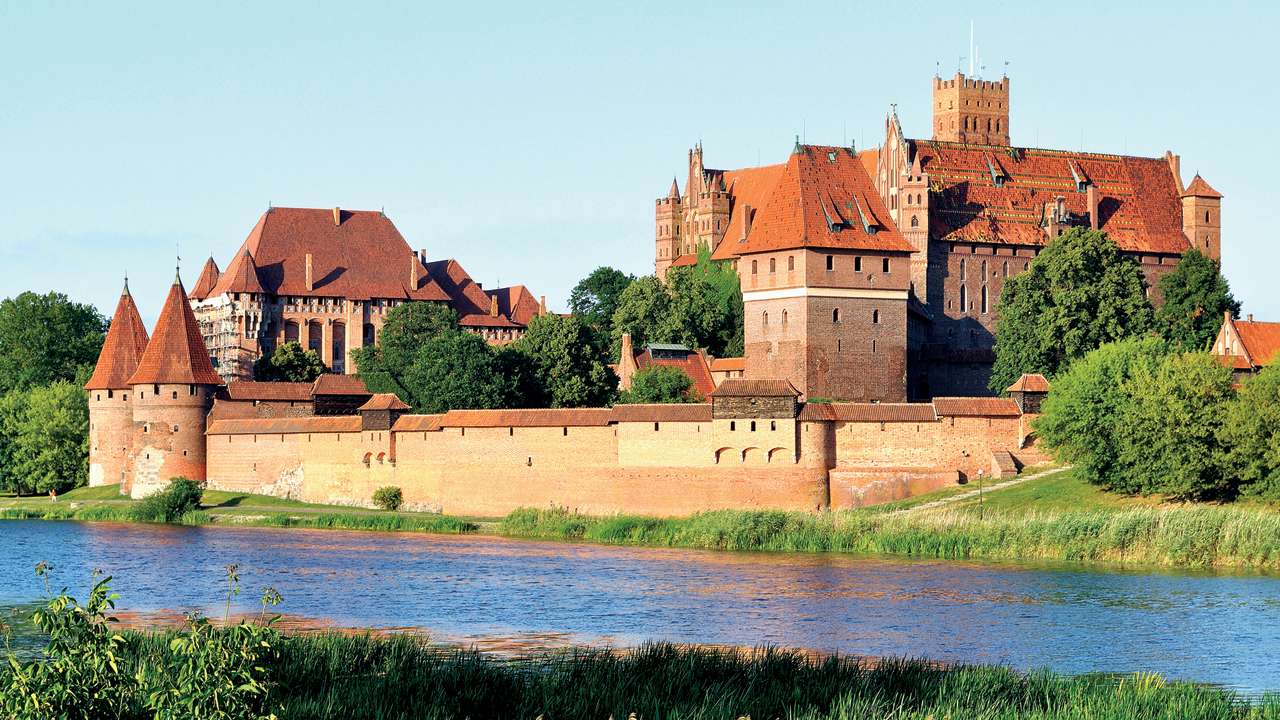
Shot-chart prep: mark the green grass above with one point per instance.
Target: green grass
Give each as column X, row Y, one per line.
column 1050, row 519
column 330, row 676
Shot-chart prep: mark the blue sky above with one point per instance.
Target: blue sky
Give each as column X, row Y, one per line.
column 528, row 140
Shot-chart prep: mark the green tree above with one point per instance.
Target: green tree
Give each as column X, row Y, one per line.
column 288, row 363
column 706, row 302
column 595, row 297
column 568, row 361
column 1195, row 297
column 47, row 438
column 1251, row 435
column 455, row 370
column 407, row 327
column 660, row 384
column 1079, row 293
column 44, row 338
column 644, row 311
column 1170, row 435
column 1087, row 403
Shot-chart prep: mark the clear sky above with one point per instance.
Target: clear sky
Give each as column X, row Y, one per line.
column 529, row 140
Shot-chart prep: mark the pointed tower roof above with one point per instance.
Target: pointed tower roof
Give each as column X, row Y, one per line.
column 208, row 279
column 241, row 276
column 674, row 192
column 1200, row 188
column 176, row 354
column 126, row 341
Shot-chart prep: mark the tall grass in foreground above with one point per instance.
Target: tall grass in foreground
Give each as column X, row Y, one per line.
column 361, row 677
column 1183, row 537
column 331, row 521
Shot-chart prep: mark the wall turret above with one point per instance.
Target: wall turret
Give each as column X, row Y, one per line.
column 1202, row 217
column 971, row 111
column 173, row 389
column 110, row 409
column 668, row 218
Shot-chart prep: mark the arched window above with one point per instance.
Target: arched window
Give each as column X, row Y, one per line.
column 835, row 315
column 753, row 267
column 1206, row 216
column 773, row 265
column 963, row 267
column 984, row 299
column 764, row 318
column 875, row 317
column 964, row 300
column 915, row 221
column 791, row 262
column 1026, row 266
column 1005, row 271
column 784, row 318
column 984, row 270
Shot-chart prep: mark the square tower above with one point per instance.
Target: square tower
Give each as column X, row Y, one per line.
column 1202, row 217
column 971, row 111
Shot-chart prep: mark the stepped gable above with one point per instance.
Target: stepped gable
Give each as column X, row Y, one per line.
column 176, row 354
column 517, row 304
column 824, row 199
column 465, row 296
column 995, row 194
column 355, row 254
column 1200, row 188
column 208, row 279
column 123, row 348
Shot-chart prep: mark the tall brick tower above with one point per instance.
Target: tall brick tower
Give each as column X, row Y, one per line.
column 668, row 217
column 173, row 387
column 110, row 412
column 971, row 111
column 1202, row 217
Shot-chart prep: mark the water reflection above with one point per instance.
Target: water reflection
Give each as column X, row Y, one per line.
column 494, row 592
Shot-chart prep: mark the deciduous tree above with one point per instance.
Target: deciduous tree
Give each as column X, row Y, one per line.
column 595, row 297
column 568, row 362
column 455, row 370
column 660, row 384
column 1195, row 297
column 44, row 338
column 288, row 363
column 46, row 433
column 1251, row 435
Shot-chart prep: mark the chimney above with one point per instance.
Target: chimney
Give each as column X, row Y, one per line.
column 626, row 363
column 1175, row 166
column 337, row 216
column 542, row 305
column 422, row 255
column 413, row 271
column 746, row 221
column 310, row 278
column 1250, row 316
column 1091, row 197
column 493, row 306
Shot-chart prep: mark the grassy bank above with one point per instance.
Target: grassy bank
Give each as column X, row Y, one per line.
column 105, row 503
column 331, row 676
column 1050, row 519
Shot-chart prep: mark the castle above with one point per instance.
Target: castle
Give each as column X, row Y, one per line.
column 875, row 275
column 326, row 280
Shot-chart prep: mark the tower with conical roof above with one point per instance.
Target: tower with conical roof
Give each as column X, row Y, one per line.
column 173, row 388
column 110, row 409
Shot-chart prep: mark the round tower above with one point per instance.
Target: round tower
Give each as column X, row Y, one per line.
column 110, row 409
column 173, row 389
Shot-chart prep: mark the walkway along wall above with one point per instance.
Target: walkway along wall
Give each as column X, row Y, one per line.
column 646, row 459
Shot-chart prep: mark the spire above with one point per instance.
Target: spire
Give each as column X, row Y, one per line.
column 208, row 279
column 176, row 354
column 125, row 343
column 674, row 192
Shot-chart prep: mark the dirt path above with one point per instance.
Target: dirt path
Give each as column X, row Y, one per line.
column 974, row 493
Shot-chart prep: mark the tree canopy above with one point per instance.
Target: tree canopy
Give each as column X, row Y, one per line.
column 44, row 338
column 1196, row 296
column 455, row 370
column 699, row 306
column 568, row 363
column 1251, row 435
column 44, row 438
column 595, row 298
column 288, row 363
column 1079, row 293
column 660, row 384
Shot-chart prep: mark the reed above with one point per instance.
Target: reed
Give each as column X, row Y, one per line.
column 1193, row 536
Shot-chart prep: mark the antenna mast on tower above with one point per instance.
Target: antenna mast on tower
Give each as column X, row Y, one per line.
column 970, row 48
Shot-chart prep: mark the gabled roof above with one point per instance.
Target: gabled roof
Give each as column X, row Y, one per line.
column 728, row 364
column 464, row 295
column 124, row 346
column 337, row 384
column 823, row 199
column 1261, row 340
column 359, row 257
column 384, row 401
column 176, row 354
column 208, row 279
column 1138, row 203
column 690, row 362
column 884, row 412
column 517, row 303
column 975, row 407
column 1030, row 382
column 1200, row 188
column 742, row 387
column 241, row 276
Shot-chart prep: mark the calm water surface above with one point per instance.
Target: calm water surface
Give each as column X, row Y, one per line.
column 1218, row 629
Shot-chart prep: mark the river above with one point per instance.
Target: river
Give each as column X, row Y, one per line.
column 498, row 593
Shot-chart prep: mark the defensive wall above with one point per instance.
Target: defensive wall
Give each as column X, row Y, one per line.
column 733, row 453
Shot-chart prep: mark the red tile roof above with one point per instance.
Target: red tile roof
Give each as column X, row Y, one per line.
column 1200, row 188
column 361, row 257
column 543, row 417
column 248, row 390
column 747, row 187
column 824, row 199
column 692, row 363
column 274, row 426
column 465, row 296
column 671, row 412
column 176, row 353
column 728, row 364
column 1261, row 340
column 517, row 303
column 884, row 412
column 975, row 407
column 1138, row 204
column 417, row 423
column 241, row 276
column 208, row 279
column 384, row 401
column 1030, row 382
column 337, row 384
column 125, row 343
column 742, row 387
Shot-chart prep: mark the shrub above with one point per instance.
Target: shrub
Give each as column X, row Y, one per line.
column 1251, row 433
column 660, row 384
column 388, row 498
column 181, row 497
